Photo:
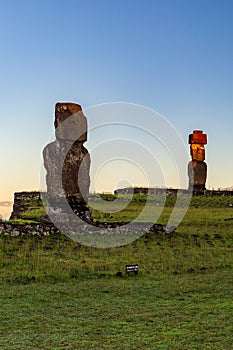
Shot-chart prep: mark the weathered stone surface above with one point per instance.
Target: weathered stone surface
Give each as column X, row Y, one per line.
column 70, row 123
column 197, row 168
column 67, row 161
column 47, row 229
column 22, row 202
column 35, row 229
column 67, row 168
column 75, row 172
column 197, row 171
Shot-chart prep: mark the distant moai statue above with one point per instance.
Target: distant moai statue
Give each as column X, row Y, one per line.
column 197, row 168
column 67, row 161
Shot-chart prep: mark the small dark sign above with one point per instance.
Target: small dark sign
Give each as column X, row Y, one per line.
column 131, row 268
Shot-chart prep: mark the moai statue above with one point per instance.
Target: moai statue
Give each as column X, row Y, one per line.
column 197, row 168
column 67, row 161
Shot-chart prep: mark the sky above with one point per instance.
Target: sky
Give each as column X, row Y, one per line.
column 171, row 56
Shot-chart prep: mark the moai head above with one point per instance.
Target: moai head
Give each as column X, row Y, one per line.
column 70, row 123
column 197, row 140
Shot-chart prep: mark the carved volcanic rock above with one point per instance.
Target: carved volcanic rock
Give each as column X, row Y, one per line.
column 75, row 172
column 67, row 168
column 197, row 172
column 70, row 123
column 197, row 168
column 66, row 160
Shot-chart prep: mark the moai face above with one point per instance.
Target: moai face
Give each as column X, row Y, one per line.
column 197, row 140
column 197, row 151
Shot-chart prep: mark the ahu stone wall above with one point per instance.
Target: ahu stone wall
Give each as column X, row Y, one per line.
column 22, row 229
column 21, row 200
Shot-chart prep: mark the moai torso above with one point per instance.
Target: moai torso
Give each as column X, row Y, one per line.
column 197, row 168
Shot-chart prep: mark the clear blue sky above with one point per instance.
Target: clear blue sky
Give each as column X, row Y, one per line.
column 172, row 56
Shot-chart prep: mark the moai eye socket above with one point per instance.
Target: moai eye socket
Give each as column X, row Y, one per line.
column 198, row 152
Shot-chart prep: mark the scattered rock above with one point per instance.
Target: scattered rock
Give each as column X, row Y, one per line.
column 119, row 274
column 191, row 270
column 160, row 228
column 203, row 268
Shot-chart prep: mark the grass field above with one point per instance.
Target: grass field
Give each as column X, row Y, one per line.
column 57, row 294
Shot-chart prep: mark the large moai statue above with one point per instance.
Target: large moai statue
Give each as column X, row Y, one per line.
column 67, row 161
column 197, row 168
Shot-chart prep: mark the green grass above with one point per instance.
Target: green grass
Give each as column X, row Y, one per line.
column 170, row 312
column 123, row 211
column 21, row 221
column 57, row 294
